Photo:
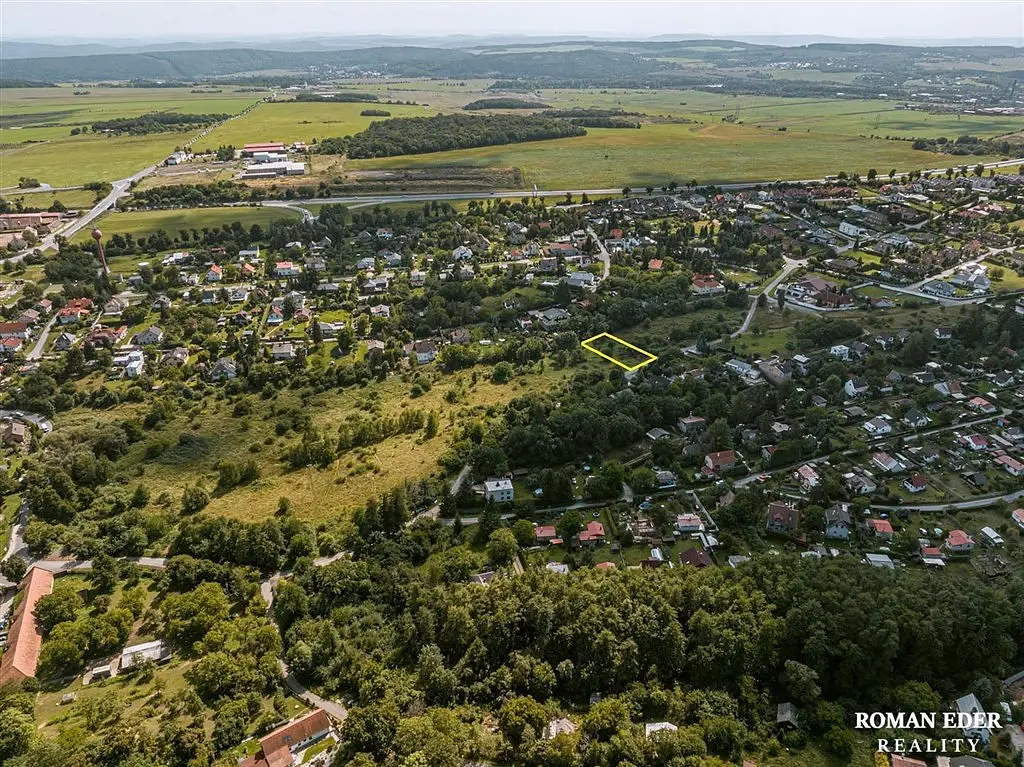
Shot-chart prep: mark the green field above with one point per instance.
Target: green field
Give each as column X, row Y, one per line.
column 142, row 223
column 659, row 153
column 303, row 121
column 36, row 123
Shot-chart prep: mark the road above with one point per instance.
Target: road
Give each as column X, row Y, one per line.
column 790, row 266
column 603, row 254
column 973, row 503
column 121, row 187
column 37, row 350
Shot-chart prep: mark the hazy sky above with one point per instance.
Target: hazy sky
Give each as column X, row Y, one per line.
column 235, row 19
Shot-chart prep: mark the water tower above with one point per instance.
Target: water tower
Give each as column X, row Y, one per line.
column 97, row 235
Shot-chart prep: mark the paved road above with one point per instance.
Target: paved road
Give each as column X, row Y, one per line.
column 790, row 267
column 121, row 187
column 37, row 350
column 973, row 503
column 603, row 254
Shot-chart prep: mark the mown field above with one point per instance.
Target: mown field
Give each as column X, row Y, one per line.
column 659, row 153
column 687, row 138
column 36, row 123
column 142, row 223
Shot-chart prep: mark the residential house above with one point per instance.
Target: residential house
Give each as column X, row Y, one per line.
column 1017, row 515
column 223, row 369
column 177, row 357
column 689, row 523
column 425, row 351
column 838, row 522
column 859, row 484
column 282, row 350
column 915, row 483
column 695, row 557
column 990, row 537
column 878, row 426
column 499, row 490
column 982, row 405
column 381, row 310
column 943, row 334
column 1011, row 465
column 807, row 476
column 855, row 387
column 582, row 280
column 951, row 389
column 15, row 433
column 546, row 534
column 29, row 317
column 652, row 728
column 691, row 424
column 975, row 442
column 115, row 307
column 969, row 704
column 886, row 462
column 64, row 342
column 841, row 351
column 783, row 518
column 591, row 535
column 879, row 528
column 281, row 747
column 417, row 278
column 151, row 335
column 215, row 273
column 14, row 330
column 715, row 463
column 916, row 419
column 959, row 542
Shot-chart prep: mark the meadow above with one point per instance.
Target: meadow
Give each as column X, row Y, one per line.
column 36, row 124
column 142, row 223
column 211, row 432
column 707, row 136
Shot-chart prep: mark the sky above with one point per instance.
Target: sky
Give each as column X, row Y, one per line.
column 195, row 20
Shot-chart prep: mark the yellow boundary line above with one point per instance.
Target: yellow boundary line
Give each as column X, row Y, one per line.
column 628, row 368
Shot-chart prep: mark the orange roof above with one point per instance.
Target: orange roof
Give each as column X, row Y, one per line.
column 23, row 645
column 283, row 739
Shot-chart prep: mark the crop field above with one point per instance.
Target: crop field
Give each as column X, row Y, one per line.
column 142, row 223
column 304, row 121
column 656, row 154
column 36, row 123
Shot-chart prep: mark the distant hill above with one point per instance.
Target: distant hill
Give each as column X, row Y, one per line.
column 649, row 63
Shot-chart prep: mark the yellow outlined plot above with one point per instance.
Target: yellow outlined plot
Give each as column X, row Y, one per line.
column 588, row 346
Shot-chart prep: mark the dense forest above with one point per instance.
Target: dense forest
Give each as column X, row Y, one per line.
column 342, row 97
column 503, row 103
column 156, row 122
column 418, row 135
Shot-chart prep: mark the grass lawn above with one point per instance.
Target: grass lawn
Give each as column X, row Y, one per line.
column 876, row 291
column 8, row 512
column 143, row 223
column 72, row 199
column 764, row 345
column 1009, row 281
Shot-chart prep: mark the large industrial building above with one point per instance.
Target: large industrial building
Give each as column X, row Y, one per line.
column 273, row 169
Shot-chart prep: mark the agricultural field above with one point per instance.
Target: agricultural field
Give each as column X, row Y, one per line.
column 35, row 130
column 142, row 223
column 657, row 153
column 72, row 199
column 290, row 121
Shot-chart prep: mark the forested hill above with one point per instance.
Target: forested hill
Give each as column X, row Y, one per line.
column 606, row 60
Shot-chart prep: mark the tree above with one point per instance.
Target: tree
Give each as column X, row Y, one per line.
column 502, row 373
column 523, row 531
column 517, row 715
column 194, row 500
column 625, row 191
column 502, row 546
column 59, row 606
column 189, row 616
column 106, row 571
column 317, row 333
column 16, row 731
column 230, row 724
column 433, row 422
column 801, row 681
column 570, row 524
column 872, row 174
column 13, row 569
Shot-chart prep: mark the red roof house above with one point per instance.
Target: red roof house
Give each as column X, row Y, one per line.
column 26, row 637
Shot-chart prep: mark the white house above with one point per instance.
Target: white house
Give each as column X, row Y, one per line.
column 841, row 351
column 499, row 490
column 877, row 426
column 969, row 704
